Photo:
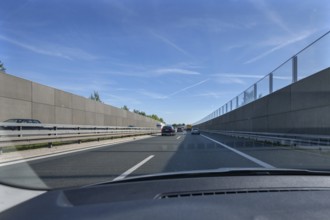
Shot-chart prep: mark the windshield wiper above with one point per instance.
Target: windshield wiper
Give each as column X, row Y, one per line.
column 218, row 173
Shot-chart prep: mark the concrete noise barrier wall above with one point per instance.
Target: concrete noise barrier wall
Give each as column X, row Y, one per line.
column 20, row 98
column 302, row 107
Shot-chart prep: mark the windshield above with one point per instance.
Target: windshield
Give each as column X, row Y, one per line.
column 100, row 82
column 12, row 120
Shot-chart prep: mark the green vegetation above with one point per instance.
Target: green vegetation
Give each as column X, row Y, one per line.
column 95, row 96
column 125, row 108
column 2, row 67
column 153, row 116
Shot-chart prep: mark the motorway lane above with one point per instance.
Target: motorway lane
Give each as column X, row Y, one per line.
column 278, row 156
column 156, row 155
column 194, row 153
column 81, row 168
column 90, row 166
column 170, row 153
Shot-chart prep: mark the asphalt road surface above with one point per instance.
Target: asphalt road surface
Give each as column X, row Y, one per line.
column 158, row 154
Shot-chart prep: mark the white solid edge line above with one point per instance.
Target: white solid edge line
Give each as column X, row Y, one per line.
column 255, row 160
column 2, row 164
column 132, row 169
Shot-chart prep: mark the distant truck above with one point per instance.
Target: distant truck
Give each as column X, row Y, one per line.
column 188, row 127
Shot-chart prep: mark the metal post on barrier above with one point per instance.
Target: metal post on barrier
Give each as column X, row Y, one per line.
column 20, row 129
column 270, row 83
column 294, row 69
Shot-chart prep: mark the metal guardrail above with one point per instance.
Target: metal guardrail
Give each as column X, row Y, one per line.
column 301, row 140
column 12, row 134
column 285, row 74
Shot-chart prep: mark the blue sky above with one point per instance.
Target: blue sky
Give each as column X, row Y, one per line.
column 178, row 59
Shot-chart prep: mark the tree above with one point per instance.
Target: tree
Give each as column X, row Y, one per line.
column 95, row 96
column 2, row 67
column 125, row 108
column 153, row 116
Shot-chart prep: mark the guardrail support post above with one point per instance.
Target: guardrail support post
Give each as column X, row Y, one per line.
column 270, row 83
column 20, row 129
column 244, row 99
column 294, row 69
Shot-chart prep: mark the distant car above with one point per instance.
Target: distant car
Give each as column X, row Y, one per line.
column 179, row 129
column 168, row 130
column 195, row 131
column 22, row 120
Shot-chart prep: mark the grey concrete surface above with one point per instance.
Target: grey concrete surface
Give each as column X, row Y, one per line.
column 45, row 113
column 78, row 102
column 14, row 87
column 20, row 98
column 42, row 94
column 63, row 115
column 183, row 152
column 302, row 107
column 63, row 99
column 14, row 108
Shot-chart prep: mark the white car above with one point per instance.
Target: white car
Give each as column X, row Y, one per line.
column 195, row 131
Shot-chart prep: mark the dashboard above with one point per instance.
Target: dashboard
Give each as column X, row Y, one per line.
column 229, row 197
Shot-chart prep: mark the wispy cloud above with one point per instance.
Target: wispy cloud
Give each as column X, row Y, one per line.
column 120, row 100
column 52, row 50
column 176, row 71
column 208, row 24
column 234, row 78
column 153, row 95
column 214, row 95
column 271, row 14
column 189, row 65
column 231, row 80
column 170, row 43
column 189, row 87
column 287, row 42
column 161, row 96
column 32, row 48
column 234, row 46
column 234, row 75
column 150, row 72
